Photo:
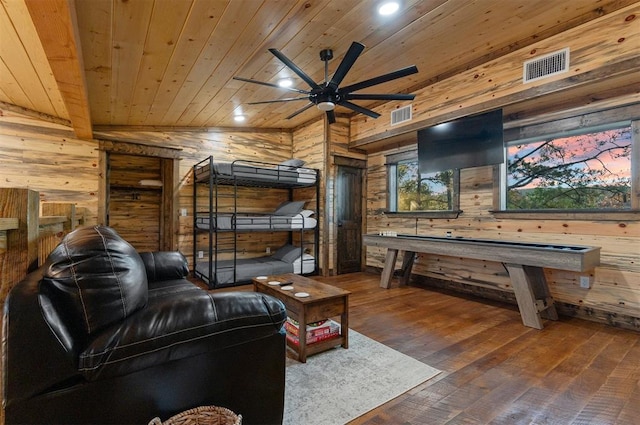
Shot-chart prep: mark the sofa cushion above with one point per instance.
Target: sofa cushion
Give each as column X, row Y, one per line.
column 97, row 276
column 164, row 265
column 180, row 321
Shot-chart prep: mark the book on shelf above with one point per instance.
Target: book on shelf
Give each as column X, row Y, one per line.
column 313, row 329
column 316, row 332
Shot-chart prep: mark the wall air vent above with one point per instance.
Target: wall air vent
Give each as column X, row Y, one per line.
column 401, row 115
column 546, row 65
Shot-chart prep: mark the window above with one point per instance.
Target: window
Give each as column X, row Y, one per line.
column 410, row 192
column 587, row 170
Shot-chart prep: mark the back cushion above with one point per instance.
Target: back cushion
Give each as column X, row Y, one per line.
column 97, row 277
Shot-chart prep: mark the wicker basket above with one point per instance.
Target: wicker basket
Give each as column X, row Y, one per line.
column 203, row 415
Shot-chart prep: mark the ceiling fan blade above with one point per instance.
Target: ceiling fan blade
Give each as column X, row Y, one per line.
column 380, row 79
column 347, row 62
column 331, row 116
column 360, row 109
column 299, row 111
column 365, row 96
column 286, row 99
column 249, row 80
column 292, row 66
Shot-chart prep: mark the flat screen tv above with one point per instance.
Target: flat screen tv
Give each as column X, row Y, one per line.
column 472, row 141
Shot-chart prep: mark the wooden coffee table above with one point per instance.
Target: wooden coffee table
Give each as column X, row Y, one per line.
column 324, row 301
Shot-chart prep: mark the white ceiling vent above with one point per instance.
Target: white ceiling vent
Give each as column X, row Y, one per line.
column 546, row 65
column 401, row 115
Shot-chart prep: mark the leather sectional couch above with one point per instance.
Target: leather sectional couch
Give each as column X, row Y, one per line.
column 103, row 334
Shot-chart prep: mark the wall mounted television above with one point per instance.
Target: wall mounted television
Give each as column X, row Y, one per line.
column 467, row 142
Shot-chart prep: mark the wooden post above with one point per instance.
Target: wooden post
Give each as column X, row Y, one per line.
column 21, row 256
column 62, row 209
column 56, row 220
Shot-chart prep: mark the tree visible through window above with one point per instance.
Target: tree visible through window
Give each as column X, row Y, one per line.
column 426, row 192
column 588, row 171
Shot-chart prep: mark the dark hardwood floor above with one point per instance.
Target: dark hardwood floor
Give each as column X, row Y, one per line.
column 494, row 369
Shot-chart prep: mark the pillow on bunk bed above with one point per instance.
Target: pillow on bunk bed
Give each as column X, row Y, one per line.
column 287, row 253
column 307, row 213
column 289, row 208
column 291, row 164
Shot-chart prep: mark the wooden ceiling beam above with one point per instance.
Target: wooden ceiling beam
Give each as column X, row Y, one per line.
column 57, row 27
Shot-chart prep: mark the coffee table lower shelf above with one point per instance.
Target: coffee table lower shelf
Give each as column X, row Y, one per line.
column 318, row 347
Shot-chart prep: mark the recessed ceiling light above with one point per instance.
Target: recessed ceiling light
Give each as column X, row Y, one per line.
column 239, row 118
column 285, row 82
column 388, row 8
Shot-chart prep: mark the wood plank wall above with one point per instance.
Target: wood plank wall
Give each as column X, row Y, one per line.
column 600, row 50
column 225, row 145
column 309, row 144
column 604, row 44
column 47, row 158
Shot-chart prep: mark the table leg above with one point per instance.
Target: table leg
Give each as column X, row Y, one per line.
column 532, row 294
column 344, row 323
column 387, row 271
column 302, row 336
column 407, row 264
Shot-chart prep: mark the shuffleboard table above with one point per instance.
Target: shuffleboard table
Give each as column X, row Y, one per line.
column 523, row 261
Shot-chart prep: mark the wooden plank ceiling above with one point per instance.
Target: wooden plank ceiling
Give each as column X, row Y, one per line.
column 170, row 63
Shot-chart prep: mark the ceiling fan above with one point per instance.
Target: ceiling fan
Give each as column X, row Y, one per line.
column 325, row 96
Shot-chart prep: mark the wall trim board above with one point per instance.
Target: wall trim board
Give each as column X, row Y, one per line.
column 137, row 148
column 546, row 125
column 102, row 129
column 35, row 114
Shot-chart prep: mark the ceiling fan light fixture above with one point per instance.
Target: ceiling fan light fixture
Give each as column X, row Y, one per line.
column 326, row 106
column 285, row 82
column 388, row 8
column 328, row 94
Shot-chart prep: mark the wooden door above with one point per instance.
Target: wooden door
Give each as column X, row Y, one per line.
column 348, row 219
column 135, row 199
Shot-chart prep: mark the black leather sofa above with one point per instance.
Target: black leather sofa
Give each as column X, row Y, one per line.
column 102, row 334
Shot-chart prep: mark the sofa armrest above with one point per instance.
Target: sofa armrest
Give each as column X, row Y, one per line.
column 165, row 265
column 39, row 349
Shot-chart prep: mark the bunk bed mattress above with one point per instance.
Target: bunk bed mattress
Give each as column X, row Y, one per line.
column 248, row 268
column 255, row 222
column 278, row 173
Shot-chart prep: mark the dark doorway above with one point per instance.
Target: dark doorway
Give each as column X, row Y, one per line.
column 348, row 219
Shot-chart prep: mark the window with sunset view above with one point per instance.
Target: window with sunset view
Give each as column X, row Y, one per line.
column 586, row 171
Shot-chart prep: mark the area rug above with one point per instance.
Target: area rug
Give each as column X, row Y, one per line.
column 339, row 385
